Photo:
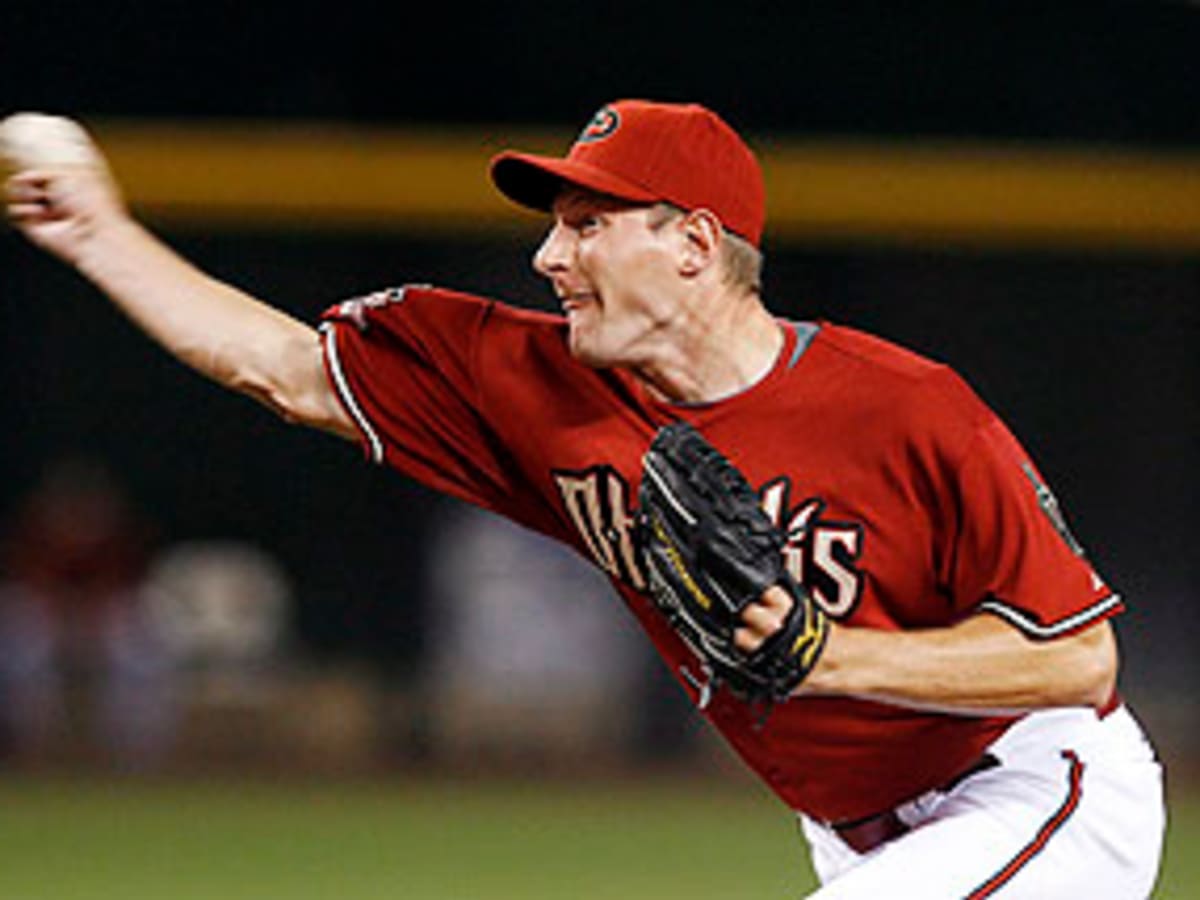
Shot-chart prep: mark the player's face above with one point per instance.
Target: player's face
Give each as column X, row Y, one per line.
column 613, row 268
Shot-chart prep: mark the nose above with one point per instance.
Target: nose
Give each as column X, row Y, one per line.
column 554, row 253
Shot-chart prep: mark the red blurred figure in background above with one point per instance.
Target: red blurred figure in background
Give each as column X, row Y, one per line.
column 81, row 669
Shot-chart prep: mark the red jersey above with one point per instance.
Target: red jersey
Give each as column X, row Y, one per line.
column 905, row 501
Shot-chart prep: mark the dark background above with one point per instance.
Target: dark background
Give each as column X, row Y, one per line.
column 1090, row 355
column 1090, row 71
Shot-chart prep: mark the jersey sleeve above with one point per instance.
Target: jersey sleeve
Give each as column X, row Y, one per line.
column 1008, row 549
column 402, row 364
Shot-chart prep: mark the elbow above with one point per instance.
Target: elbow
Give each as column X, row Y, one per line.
column 255, row 386
column 239, row 372
column 1104, row 685
column 287, row 407
column 280, row 367
column 281, row 377
column 302, row 403
column 1097, row 666
column 265, row 391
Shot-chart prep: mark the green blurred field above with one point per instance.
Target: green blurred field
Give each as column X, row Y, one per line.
column 67, row 839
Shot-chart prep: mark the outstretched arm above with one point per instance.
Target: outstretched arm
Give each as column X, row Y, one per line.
column 65, row 200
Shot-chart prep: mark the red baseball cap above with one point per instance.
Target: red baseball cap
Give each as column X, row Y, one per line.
column 647, row 152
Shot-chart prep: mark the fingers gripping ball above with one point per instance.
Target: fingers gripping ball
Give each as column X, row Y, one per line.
column 61, row 189
column 37, row 141
column 710, row 551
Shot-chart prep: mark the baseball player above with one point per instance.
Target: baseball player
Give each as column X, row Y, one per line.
column 942, row 715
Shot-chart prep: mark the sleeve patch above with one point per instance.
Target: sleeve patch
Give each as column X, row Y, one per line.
column 1050, row 506
column 356, row 309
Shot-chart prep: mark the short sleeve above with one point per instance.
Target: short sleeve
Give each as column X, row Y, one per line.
column 402, row 364
column 1012, row 553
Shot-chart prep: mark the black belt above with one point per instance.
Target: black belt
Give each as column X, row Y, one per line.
column 864, row 835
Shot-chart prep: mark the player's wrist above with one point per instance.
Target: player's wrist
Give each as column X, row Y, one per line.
column 830, row 672
column 107, row 243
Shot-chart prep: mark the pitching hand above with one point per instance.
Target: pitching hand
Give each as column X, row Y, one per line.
column 61, row 190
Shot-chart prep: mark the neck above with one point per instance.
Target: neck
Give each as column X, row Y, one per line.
column 711, row 354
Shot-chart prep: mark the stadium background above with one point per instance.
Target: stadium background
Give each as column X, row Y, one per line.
column 1015, row 190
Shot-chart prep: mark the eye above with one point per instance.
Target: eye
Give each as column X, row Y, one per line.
column 582, row 219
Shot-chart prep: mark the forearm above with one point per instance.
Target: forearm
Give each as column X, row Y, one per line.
column 216, row 329
column 63, row 197
column 981, row 665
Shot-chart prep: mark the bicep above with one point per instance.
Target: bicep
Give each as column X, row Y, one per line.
column 1091, row 649
column 981, row 665
column 288, row 376
column 319, row 405
column 1079, row 668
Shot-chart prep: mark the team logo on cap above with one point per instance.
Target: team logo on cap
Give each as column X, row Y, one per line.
column 603, row 124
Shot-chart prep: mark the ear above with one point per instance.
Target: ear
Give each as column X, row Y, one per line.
column 702, row 236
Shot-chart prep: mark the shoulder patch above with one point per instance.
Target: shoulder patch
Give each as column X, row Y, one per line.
column 355, row 309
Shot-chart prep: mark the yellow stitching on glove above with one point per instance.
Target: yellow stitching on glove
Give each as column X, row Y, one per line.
column 677, row 562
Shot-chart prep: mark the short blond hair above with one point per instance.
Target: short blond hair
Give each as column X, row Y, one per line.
column 741, row 261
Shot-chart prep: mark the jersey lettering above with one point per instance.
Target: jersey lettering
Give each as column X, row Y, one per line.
column 838, row 584
column 597, row 502
column 820, row 554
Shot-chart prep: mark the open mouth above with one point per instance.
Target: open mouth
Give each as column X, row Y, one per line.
column 577, row 300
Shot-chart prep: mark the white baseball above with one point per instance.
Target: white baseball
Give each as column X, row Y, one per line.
column 36, row 141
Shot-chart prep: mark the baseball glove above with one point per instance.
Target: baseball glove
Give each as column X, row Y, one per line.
column 709, row 551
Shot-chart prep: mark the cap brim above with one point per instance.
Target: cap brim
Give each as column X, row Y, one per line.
column 535, row 181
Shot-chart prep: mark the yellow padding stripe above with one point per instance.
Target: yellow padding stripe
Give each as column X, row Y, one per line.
column 681, row 569
column 326, row 176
